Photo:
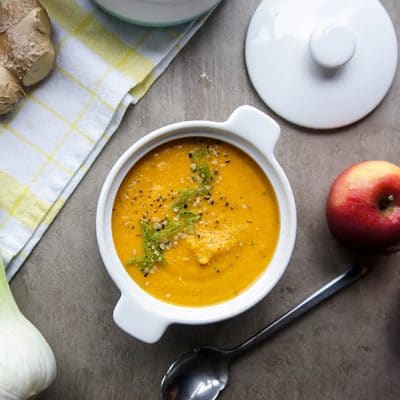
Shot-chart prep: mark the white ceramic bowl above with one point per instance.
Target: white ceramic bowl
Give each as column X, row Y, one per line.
column 157, row 12
column 142, row 315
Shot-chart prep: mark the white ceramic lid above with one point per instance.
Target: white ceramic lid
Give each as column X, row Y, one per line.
column 321, row 64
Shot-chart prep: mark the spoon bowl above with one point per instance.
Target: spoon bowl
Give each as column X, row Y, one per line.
column 201, row 374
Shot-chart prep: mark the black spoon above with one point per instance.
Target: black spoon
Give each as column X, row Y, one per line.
column 203, row 373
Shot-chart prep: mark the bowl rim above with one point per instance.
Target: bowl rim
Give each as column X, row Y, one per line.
column 264, row 157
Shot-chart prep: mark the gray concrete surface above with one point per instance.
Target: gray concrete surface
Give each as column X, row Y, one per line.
column 347, row 349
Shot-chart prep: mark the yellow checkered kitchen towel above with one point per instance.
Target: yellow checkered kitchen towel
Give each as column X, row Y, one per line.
column 48, row 143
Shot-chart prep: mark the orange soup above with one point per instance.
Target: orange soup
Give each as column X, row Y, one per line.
column 195, row 222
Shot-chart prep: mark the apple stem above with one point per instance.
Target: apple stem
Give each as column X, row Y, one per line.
column 386, row 202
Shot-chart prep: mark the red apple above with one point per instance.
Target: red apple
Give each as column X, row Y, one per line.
column 363, row 207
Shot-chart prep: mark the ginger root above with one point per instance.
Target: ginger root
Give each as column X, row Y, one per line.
column 26, row 52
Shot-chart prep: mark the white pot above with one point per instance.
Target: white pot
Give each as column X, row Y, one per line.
column 157, row 12
column 142, row 315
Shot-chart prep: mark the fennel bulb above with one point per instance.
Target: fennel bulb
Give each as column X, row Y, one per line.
column 27, row 363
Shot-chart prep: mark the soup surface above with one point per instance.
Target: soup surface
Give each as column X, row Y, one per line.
column 195, row 222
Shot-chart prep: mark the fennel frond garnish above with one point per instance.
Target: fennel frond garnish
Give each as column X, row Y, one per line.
column 159, row 237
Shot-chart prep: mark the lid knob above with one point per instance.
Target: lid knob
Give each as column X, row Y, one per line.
column 333, row 45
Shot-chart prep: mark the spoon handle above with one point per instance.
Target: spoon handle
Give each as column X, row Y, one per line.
column 334, row 286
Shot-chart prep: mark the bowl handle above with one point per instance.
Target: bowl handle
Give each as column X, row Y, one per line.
column 135, row 320
column 255, row 126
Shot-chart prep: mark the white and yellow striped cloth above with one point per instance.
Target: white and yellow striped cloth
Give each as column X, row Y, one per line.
column 48, row 143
